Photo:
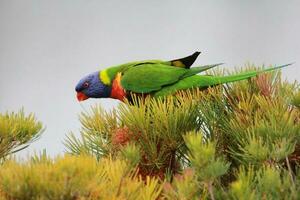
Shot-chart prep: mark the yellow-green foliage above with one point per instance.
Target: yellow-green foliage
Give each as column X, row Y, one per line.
column 156, row 127
column 203, row 158
column 265, row 183
column 71, row 177
column 16, row 131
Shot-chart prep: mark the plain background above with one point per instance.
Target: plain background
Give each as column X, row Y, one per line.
column 47, row 46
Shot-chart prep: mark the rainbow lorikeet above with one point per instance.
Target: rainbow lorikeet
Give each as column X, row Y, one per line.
column 153, row 77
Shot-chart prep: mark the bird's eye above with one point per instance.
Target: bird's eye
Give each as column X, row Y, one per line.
column 86, row 85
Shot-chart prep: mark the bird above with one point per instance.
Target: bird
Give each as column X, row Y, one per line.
column 156, row 78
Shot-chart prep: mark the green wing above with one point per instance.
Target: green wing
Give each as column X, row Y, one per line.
column 147, row 78
column 185, row 62
column 150, row 77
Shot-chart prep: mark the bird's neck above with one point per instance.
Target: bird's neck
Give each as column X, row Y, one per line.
column 117, row 91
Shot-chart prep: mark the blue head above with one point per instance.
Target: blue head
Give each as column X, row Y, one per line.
column 91, row 86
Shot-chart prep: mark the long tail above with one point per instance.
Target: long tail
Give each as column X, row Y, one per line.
column 204, row 81
column 242, row 76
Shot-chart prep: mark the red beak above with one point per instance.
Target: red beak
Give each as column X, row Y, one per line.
column 81, row 96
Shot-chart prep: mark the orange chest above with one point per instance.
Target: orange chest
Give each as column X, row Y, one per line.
column 117, row 91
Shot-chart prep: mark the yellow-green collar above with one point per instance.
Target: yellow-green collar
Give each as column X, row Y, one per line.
column 104, row 77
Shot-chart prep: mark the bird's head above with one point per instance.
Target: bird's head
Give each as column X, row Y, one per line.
column 91, row 86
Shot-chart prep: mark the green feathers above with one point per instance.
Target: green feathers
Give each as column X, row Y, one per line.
column 160, row 78
column 185, row 62
column 149, row 77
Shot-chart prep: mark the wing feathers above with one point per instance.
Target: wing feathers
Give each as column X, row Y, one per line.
column 185, row 62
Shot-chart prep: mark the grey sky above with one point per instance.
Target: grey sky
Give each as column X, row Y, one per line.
column 47, row 46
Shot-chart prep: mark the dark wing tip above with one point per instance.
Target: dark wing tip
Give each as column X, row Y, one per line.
column 186, row 62
column 196, row 53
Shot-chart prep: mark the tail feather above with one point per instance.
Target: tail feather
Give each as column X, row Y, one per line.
column 206, row 67
column 197, row 70
column 242, row 76
column 204, row 81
